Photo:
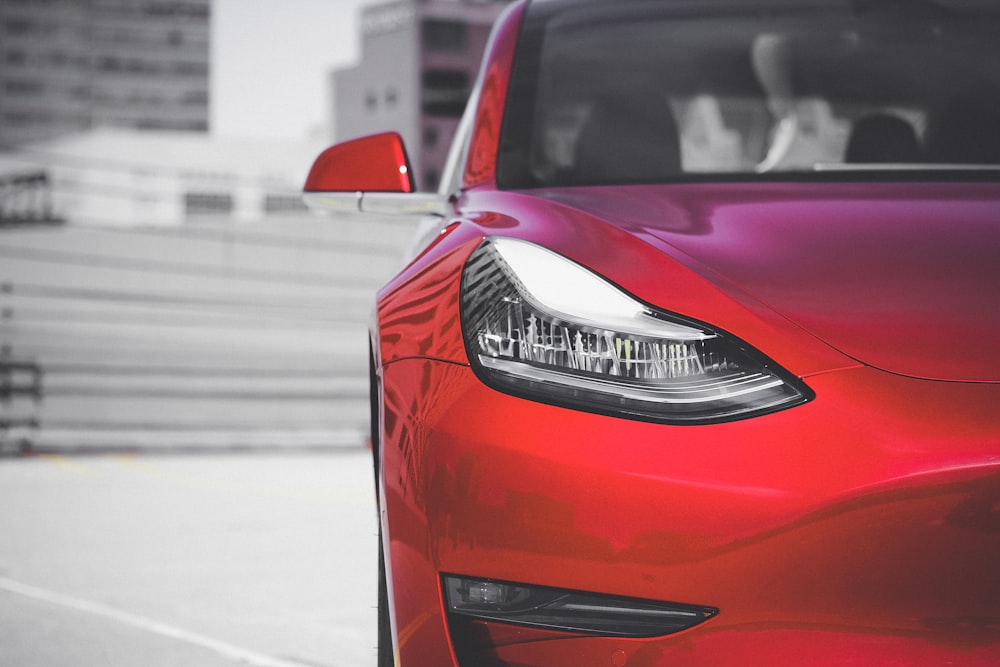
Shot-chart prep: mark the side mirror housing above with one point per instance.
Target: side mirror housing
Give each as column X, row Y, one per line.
column 376, row 163
column 368, row 175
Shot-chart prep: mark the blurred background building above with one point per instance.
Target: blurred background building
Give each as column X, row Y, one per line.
column 419, row 60
column 105, row 107
column 74, row 65
column 178, row 293
column 73, row 74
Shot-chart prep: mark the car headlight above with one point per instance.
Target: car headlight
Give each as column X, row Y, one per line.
column 540, row 326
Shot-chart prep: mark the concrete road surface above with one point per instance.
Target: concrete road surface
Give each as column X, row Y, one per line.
column 214, row 560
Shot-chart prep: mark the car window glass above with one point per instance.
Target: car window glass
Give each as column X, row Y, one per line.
column 646, row 92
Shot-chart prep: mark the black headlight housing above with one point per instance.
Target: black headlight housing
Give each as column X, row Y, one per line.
column 540, row 326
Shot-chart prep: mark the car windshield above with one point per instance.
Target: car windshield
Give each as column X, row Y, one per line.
column 641, row 92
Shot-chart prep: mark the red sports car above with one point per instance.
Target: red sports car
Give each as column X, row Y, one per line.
column 702, row 364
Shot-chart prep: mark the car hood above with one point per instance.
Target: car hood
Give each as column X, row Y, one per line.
column 904, row 277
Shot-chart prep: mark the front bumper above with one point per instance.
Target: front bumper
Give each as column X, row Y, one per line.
column 861, row 528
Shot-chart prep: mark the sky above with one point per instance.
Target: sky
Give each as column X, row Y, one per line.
column 270, row 63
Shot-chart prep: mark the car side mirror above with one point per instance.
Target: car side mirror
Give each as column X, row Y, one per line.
column 368, row 175
column 376, row 163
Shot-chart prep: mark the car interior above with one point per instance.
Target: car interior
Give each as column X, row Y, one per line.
column 661, row 101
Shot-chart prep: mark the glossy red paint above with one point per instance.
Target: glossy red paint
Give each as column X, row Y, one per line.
column 854, row 527
column 857, row 518
column 481, row 165
column 376, row 163
column 827, row 529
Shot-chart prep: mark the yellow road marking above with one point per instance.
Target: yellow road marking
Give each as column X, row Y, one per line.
column 68, row 464
column 130, row 461
column 253, row 488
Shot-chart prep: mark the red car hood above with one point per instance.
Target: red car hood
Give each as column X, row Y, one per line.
column 904, row 277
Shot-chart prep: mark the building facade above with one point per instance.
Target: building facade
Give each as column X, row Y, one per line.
column 419, row 61
column 73, row 65
column 113, row 176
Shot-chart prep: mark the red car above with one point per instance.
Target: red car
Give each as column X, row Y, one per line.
column 702, row 364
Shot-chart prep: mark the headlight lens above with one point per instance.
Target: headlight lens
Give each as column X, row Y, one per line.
column 540, row 326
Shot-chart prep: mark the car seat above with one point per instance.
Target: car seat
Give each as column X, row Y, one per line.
column 627, row 139
column 882, row 138
column 968, row 131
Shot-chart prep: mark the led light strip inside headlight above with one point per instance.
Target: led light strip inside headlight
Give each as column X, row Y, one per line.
column 540, row 326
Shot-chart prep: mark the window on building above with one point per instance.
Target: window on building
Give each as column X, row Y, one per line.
column 440, row 35
column 109, row 64
column 444, row 92
column 19, row 119
column 283, row 204
column 23, row 86
column 175, row 9
column 141, row 123
column 18, row 27
column 208, row 203
column 431, row 136
column 189, row 68
column 195, row 98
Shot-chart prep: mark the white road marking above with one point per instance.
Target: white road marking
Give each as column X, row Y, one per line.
column 149, row 625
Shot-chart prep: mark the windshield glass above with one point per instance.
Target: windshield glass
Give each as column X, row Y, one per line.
column 638, row 92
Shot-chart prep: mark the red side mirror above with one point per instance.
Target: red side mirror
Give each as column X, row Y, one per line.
column 376, row 163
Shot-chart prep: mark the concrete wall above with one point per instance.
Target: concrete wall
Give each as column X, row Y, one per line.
column 211, row 333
